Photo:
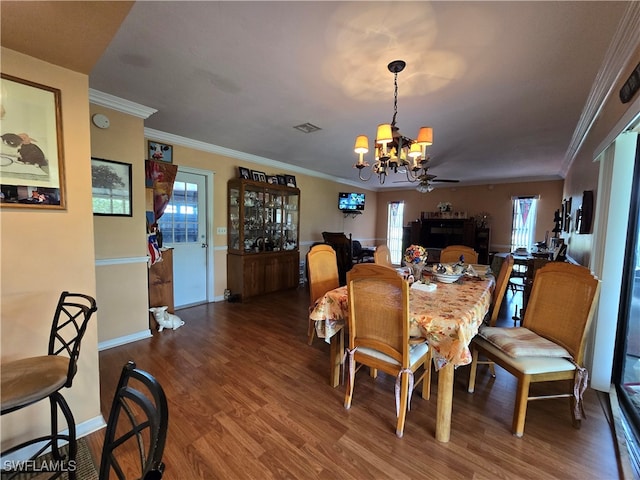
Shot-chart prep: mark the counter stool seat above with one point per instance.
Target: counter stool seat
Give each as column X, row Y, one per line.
column 30, row 380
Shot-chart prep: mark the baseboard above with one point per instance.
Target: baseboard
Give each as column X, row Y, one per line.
column 82, row 430
column 116, row 342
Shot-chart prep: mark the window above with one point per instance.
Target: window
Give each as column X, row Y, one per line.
column 626, row 371
column 179, row 222
column 394, row 231
column 523, row 224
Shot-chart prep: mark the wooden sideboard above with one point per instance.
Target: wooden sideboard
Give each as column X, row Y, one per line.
column 161, row 282
column 434, row 233
column 252, row 275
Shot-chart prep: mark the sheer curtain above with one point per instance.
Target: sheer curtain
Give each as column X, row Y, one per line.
column 394, row 231
column 523, row 224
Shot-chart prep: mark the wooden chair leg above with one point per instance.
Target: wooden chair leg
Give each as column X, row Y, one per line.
column 402, row 414
column 426, row 379
column 351, row 377
column 520, row 410
column 472, row 373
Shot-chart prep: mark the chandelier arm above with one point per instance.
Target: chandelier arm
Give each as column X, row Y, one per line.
column 411, row 176
column 362, row 178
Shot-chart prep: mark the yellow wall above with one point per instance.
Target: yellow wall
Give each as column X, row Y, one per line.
column 120, row 242
column 494, row 199
column 47, row 251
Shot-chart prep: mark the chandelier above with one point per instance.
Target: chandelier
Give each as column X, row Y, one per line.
column 393, row 151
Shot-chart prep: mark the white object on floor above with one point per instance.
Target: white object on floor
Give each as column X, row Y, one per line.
column 166, row 319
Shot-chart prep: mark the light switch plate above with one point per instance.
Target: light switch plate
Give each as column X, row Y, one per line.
column 221, row 230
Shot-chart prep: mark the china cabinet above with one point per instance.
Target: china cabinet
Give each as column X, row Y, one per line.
column 262, row 237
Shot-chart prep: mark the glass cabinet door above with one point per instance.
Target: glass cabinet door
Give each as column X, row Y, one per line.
column 262, row 218
column 233, row 225
column 253, row 220
column 290, row 222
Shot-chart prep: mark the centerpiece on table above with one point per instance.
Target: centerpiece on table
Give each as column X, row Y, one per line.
column 415, row 257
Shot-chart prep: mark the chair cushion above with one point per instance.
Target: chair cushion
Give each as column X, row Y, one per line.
column 522, row 342
column 28, row 380
column 527, row 365
column 416, row 352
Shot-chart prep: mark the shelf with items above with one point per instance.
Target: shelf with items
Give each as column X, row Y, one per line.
column 262, row 217
column 262, row 236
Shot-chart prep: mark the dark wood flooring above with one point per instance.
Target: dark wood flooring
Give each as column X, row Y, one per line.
column 249, row 399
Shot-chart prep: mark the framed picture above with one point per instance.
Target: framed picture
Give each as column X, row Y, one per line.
column 258, row 176
column 272, row 179
column 111, row 187
column 31, row 152
column 160, row 152
column 281, row 180
column 566, row 207
column 291, row 180
column 244, row 173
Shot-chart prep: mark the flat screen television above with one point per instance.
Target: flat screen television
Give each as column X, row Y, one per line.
column 348, row 202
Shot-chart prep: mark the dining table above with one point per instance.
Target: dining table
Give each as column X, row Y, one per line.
column 448, row 317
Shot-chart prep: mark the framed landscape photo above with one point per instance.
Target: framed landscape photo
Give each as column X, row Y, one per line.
column 160, row 152
column 31, row 152
column 111, row 186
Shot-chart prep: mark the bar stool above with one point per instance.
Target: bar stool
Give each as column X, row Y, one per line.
column 29, row 380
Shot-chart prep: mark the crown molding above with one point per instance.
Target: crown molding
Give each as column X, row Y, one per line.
column 623, row 45
column 120, row 104
column 247, row 157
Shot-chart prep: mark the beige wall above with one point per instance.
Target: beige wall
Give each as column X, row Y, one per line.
column 47, row 251
column 494, row 199
column 120, row 242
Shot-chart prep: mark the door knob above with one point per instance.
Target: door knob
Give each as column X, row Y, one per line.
column 204, row 245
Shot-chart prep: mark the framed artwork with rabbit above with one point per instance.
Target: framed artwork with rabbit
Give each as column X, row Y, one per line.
column 31, row 153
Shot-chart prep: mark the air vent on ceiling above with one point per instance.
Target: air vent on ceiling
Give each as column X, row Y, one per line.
column 307, row 127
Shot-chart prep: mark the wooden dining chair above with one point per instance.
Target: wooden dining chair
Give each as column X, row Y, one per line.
column 382, row 256
column 452, row 254
column 322, row 270
column 502, row 281
column 506, row 265
column 379, row 334
column 550, row 344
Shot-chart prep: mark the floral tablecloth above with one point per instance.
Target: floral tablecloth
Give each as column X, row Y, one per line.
column 448, row 318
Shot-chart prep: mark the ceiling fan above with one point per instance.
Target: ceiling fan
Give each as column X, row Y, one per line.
column 427, row 177
column 425, row 182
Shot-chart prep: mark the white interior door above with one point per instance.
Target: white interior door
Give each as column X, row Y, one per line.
column 184, row 227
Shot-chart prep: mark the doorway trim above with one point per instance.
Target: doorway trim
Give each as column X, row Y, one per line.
column 208, row 174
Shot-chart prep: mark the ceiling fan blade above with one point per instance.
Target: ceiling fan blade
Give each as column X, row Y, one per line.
column 443, row 180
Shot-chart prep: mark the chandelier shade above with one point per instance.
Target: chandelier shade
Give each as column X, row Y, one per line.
column 393, row 152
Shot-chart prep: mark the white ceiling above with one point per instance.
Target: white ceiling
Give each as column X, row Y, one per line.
column 502, row 84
